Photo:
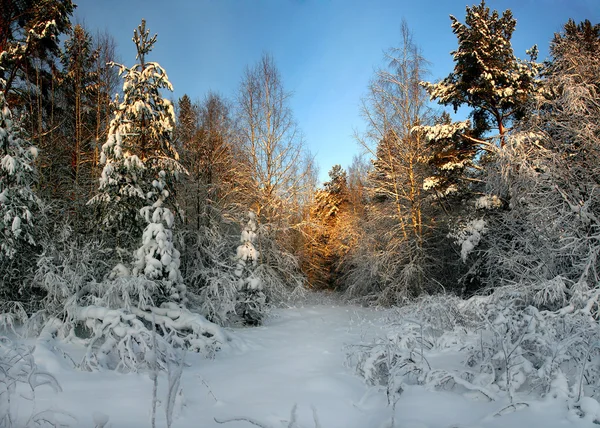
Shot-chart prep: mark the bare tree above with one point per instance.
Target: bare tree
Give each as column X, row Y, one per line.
column 280, row 171
column 270, row 139
column 207, row 136
column 396, row 103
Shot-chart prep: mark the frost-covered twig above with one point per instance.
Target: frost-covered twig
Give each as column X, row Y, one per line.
column 291, row 423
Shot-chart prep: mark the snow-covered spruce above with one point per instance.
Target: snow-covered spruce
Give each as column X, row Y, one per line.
column 18, row 202
column 136, row 315
column 139, row 149
column 158, row 259
column 251, row 302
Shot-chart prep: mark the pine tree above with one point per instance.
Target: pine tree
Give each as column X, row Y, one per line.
column 489, row 79
column 550, row 173
column 78, row 60
column 29, row 30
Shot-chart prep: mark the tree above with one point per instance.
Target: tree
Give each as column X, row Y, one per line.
column 327, row 220
column 140, row 161
column 106, row 84
column 80, row 80
column 279, row 171
column 19, row 203
column 271, row 139
column 187, row 122
column 29, row 30
column 29, row 49
column 395, row 222
column 489, row 79
column 251, row 299
column 138, row 314
column 207, row 134
column 548, row 235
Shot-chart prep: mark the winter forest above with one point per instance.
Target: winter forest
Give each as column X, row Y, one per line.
column 170, row 262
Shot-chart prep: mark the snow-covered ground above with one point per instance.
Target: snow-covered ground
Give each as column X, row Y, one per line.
column 298, row 358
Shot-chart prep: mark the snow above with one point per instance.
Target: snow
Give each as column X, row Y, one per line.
column 488, row 202
column 298, row 357
column 469, row 236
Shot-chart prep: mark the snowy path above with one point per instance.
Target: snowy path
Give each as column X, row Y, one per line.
column 296, row 358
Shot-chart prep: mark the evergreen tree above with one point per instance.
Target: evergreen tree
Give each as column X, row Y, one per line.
column 251, row 299
column 187, row 123
column 80, row 80
column 206, row 135
column 140, row 161
column 18, row 202
column 489, row 79
column 549, row 171
column 140, row 309
column 29, row 30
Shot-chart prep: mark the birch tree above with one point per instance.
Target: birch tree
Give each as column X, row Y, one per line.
column 278, row 168
column 396, row 103
column 271, row 140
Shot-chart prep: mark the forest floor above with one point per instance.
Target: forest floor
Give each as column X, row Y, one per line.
column 297, row 359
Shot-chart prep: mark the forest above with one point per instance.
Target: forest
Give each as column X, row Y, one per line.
column 137, row 227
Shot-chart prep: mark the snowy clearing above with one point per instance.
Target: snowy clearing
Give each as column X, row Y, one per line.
column 298, row 358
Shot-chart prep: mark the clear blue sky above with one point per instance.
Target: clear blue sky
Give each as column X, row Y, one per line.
column 326, row 50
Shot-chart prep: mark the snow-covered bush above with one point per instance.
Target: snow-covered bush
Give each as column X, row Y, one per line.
column 125, row 321
column 468, row 236
column 207, row 271
column 121, row 328
column 116, row 317
column 499, row 347
column 66, row 265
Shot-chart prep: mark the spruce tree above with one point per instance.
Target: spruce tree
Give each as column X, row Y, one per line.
column 18, row 202
column 251, row 302
column 140, row 161
column 141, row 166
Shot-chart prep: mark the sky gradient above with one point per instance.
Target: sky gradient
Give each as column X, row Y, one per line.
column 325, row 50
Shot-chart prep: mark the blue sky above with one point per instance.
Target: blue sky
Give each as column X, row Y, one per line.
column 326, row 50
